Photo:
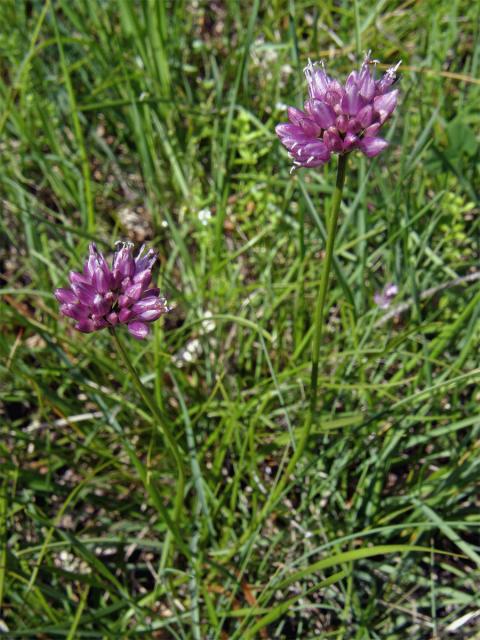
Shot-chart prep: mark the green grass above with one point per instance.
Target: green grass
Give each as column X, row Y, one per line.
column 122, row 120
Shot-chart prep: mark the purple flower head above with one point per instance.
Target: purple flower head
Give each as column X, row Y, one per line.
column 384, row 298
column 102, row 297
column 339, row 118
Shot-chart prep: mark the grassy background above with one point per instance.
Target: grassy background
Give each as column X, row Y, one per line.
column 124, row 120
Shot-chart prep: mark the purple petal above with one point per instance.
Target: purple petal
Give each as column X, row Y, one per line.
column 349, row 141
column 125, row 283
column 65, row 296
column 102, row 281
column 150, row 315
column 317, row 79
column 143, row 278
column 138, row 330
column 309, row 162
column 150, row 302
column 313, row 162
column 75, row 277
column 381, row 301
column 124, row 302
column 365, row 116
column 371, row 147
column 367, row 86
column 292, row 137
column 85, row 326
column 372, row 130
column 123, row 263
column 292, row 143
column 322, row 113
column 125, row 315
column 99, row 257
column 90, row 264
column 316, row 149
column 295, row 115
column 332, row 140
column 101, row 276
column 384, row 298
column 99, row 323
column 101, row 305
column 310, row 128
column 112, row 318
column 285, row 129
column 335, row 93
column 151, row 292
column 342, row 123
column 134, row 291
column 391, row 290
column 388, row 79
column 352, row 79
column 351, row 101
column 354, row 126
column 75, row 311
column 84, row 292
column 146, row 261
column 384, row 105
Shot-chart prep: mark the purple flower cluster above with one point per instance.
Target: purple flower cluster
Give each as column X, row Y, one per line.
column 102, row 297
column 339, row 119
column 384, row 298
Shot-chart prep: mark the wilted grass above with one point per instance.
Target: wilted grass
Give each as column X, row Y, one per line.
column 125, row 120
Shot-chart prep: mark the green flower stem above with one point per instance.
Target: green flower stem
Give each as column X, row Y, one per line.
column 318, row 320
column 322, row 292
column 162, row 420
column 317, row 337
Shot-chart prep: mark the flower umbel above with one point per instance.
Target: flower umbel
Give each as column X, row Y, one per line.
column 339, row 118
column 101, row 296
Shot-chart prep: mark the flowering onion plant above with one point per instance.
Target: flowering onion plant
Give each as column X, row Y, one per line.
column 101, row 296
column 339, row 118
column 104, row 297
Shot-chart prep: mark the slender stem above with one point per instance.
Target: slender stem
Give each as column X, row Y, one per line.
column 161, row 420
column 322, row 292
column 317, row 337
column 299, row 329
column 318, row 320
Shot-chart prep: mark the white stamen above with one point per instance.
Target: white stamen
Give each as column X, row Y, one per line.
column 392, row 71
column 310, row 68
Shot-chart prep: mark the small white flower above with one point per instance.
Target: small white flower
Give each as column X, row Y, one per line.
column 190, row 353
column 208, row 325
column 204, row 216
